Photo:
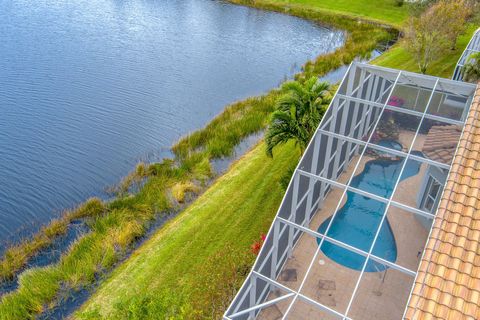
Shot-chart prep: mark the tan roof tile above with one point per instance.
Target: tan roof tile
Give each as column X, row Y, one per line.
column 441, row 142
column 447, row 285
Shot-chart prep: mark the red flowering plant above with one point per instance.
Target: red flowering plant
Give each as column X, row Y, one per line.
column 257, row 245
column 396, row 101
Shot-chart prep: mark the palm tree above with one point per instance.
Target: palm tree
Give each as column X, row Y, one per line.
column 471, row 69
column 298, row 113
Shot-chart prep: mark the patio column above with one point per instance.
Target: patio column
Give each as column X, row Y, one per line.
column 355, row 119
column 375, row 110
column 311, row 182
column 328, row 152
column 371, row 96
column 253, row 295
column 276, row 232
column 340, row 143
column 293, row 212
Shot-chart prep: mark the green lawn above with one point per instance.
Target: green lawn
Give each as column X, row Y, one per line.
column 383, row 11
column 236, row 210
column 397, row 57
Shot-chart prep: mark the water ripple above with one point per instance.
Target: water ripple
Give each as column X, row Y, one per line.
column 87, row 88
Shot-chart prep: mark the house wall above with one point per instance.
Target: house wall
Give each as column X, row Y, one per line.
column 441, row 176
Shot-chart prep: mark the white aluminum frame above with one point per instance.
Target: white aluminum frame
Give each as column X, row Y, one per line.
column 340, row 105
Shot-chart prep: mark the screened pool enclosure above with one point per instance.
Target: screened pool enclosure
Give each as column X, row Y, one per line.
column 352, row 227
column 472, row 47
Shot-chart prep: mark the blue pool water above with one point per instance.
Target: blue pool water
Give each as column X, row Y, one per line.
column 357, row 221
column 392, row 144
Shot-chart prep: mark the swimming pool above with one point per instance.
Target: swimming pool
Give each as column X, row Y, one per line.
column 357, row 221
column 391, row 144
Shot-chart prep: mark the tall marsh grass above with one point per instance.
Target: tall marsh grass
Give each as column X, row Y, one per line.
column 237, row 121
column 17, row 256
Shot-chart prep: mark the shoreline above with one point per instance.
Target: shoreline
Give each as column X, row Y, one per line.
column 192, row 170
column 309, row 13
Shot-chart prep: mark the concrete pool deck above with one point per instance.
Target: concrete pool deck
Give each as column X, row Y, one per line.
column 381, row 295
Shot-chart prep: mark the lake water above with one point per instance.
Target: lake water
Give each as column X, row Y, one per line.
column 89, row 88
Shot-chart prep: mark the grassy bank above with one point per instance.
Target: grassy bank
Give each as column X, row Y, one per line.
column 397, row 57
column 380, row 11
column 201, row 257
column 176, row 258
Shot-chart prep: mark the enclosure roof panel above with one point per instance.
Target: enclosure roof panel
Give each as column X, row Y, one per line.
column 447, row 285
column 359, row 210
column 472, row 47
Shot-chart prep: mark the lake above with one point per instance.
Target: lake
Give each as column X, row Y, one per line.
column 90, row 88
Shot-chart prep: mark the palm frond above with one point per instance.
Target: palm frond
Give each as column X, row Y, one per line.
column 298, row 113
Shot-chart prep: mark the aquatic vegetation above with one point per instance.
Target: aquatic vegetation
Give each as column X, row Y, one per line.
column 90, row 208
column 187, row 255
column 180, row 189
column 17, row 256
column 225, row 131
